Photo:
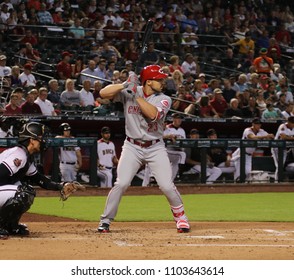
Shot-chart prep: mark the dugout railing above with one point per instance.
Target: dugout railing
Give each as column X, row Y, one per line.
column 202, row 144
column 231, row 144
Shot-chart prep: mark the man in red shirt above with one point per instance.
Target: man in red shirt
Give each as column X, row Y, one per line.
column 30, row 107
column 29, row 38
column 12, row 108
column 218, row 102
column 64, row 67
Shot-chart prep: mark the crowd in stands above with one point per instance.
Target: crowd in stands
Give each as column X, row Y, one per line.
column 225, row 59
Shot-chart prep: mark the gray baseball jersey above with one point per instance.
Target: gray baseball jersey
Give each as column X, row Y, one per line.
column 135, row 153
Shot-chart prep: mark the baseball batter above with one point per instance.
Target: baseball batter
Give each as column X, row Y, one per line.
column 107, row 158
column 284, row 132
column 16, row 166
column 255, row 132
column 145, row 108
column 70, row 158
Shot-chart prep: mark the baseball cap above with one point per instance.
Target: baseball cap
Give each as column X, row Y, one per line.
column 66, row 54
column 210, row 132
column 128, row 62
column 105, row 129
column 27, row 66
column 263, row 51
column 201, row 75
column 256, row 121
column 217, row 90
column 58, row 9
column 3, row 57
column 194, row 131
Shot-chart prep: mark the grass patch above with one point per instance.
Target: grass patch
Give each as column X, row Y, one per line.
column 278, row 207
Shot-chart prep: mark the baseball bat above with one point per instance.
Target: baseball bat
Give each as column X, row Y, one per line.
column 146, row 37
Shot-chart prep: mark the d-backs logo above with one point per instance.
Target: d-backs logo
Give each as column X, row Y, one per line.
column 17, row 162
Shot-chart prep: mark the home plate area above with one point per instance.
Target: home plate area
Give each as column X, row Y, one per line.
column 153, row 240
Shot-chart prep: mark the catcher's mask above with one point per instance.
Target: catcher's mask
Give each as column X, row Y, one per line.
column 34, row 130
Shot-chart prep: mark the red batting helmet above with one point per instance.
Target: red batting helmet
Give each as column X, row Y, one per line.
column 152, row 72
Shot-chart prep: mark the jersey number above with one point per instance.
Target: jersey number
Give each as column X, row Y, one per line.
column 152, row 127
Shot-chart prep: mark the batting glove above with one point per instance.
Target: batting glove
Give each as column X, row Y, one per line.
column 131, row 84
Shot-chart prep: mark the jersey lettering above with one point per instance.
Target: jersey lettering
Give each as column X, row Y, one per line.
column 107, row 152
column 134, row 110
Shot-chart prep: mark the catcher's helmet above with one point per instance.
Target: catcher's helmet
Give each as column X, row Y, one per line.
column 152, row 72
column 64, row 127
column 32, row 130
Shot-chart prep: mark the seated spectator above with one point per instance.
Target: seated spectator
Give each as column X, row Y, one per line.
column 189, row 65
column 183, row 99
column 77, row 32
column 45, row 105
column 64, row 68
column 5, row 70
column 30, row 107
column 32, row 54
column 288, row 112
column 149, row 57
column 271, row 113
column 90, row 70
column 28, row 80
column 29, row 38
column 287, row 92
column 86, row 96
column 233, row 111
column 190, row 38
column 281, row 104
column 212, row 85
column 178, row 78
column 14, row 77
column 110, row 31
column 228, row 91
column 20, row 95
column 70, row 97
column 251, row 111
column 206, row 110
column 218, row 102
column 77, row 67
column 260, row 101
column 108, row 52
column 241, row 84
column 198, row 90
column 53, row 93
column 12, row 107
column 57, row 17
column 175, row 64
column 44, row 16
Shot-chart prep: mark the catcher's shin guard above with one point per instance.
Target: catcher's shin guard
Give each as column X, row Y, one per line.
column 14, row 208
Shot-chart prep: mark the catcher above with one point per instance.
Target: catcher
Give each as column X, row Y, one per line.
column 17, row 169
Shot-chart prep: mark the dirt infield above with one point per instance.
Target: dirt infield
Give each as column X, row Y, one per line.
column 55, row 238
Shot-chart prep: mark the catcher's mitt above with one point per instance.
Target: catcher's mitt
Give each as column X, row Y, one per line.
column 69, row 188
